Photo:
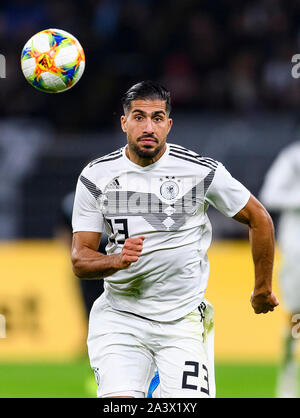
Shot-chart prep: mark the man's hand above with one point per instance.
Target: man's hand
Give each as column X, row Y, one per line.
column 89, row 263
column 131, row 252
column 261, row 233
column 263, row 303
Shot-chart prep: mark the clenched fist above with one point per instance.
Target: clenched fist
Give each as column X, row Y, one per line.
column 131, row 252
column 263, row 303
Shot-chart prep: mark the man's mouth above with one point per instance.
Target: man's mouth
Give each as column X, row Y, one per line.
column 147, row 140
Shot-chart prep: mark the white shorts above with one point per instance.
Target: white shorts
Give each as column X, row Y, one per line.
column 125, row 350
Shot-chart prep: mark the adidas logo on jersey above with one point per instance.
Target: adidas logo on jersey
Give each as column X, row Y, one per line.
column 113, row 185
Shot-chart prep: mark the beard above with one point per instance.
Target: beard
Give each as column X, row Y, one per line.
column 147, row 151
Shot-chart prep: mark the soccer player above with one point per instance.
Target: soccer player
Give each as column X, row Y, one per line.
column 281, row 193
column 152, row 197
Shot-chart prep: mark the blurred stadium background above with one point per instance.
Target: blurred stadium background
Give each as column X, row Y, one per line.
column 228, row 66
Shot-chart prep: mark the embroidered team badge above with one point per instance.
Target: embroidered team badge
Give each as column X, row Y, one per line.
column 169, row 190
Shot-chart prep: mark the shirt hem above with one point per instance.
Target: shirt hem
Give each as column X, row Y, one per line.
column 190, row 308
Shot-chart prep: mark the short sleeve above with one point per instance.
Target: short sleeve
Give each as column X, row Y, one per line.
column 86, row 213
column 226, row 194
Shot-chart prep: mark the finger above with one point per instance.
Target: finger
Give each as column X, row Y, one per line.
column 258, row 309
column 130, row 253
column 133, row 247
column 138, row 239
column 133, row 244
column 130, row 258
column 264, row 310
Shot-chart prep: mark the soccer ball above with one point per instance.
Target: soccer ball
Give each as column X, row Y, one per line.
column 52, row 61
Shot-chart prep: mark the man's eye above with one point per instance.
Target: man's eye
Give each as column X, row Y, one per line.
column 138, row 118
column 158, row 119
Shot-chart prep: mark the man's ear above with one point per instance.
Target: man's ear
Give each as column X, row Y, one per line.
column 123, row 123
column 170, row 123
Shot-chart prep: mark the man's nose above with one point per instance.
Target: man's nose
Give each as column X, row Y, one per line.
column 148, row 128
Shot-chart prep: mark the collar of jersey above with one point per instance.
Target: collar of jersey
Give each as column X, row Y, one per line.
column 150, row 166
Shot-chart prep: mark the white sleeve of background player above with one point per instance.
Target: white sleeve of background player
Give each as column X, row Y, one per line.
column 227, row 194
column 281, row 187
column 86, row 215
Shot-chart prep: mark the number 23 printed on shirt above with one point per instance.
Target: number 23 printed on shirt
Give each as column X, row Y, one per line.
column 118, row 227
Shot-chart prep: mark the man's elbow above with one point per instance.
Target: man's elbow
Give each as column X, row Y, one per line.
column 267, row 218
column 78, row 266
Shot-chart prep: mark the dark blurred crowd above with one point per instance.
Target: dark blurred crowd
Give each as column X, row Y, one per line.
column 212, row 54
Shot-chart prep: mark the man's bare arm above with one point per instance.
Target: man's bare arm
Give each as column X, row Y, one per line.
column 261, row 234
column 88, row 263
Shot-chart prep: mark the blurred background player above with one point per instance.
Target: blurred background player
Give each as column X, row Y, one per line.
column 281, row 193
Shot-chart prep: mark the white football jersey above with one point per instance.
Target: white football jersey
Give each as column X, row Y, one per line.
column 281, row 192
column 166, row 202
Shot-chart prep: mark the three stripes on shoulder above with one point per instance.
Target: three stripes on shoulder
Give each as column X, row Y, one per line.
column 109, row 157
column 185, row 154
column 175, row 151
